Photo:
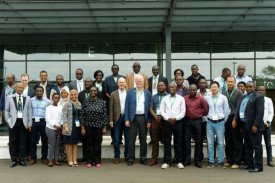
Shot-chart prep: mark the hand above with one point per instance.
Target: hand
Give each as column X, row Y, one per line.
column 158, row 119
column 83, row 131
column 148, row 125
column 104, row 130
column 266, row 125
column 234, row 123
column 112, row 124
column 127, row 123
column 254, row 129
column 66, row 129
column 172, row 120
column 29, row 128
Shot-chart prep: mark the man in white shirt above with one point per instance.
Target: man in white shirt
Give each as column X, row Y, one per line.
column 77, row 84
column 222, row 79
column 47, row 86
column 241, row 76
column 268, row 117
column 172, row 109
column 218, row 114
column 155, row 79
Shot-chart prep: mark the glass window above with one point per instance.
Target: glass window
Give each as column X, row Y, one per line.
column 91, row 56
column 233, row 55
column 268, row 55
column 16, row 68
column 189, row 55
column 8, row 55
column 135, row 56
column 48, row 56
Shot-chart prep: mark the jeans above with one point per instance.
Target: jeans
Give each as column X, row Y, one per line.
column 119, row 128
column 212, row 130
column 39, row 128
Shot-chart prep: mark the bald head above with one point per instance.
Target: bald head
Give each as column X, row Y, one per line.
column 155, row 70
column 261, row 90
column 241, row 70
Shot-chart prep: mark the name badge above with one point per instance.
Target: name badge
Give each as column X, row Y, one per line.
column 19, row 114
column 77, row 123
column 36, row 120
column 215, row 117
column 241, row 115
column 158, row 112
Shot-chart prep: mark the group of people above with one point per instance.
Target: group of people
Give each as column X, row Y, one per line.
column 230, row 111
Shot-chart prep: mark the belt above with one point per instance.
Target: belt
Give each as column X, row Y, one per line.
column 215, row 121
column 139, row 114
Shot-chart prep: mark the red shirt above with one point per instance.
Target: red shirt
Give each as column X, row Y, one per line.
column 196, row 107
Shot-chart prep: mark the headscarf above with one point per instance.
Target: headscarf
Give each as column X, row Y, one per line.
column 63, row 101
column 76, row 103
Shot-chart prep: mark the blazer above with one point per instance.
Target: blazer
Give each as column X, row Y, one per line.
column 82, row 97
column 110, row 84
column 101, row 95
column 73, row 85
column 130, row 105
column 254, row 112
column 161, row 78
column 3, row 99
column 130, row 80
column 114, row 107
column 48, row 88
column 68, row 117
column 31, row 92
column 11, row 110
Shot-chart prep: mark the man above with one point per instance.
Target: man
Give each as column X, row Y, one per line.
column 195, row 76
column 116, row 117
column 19, row 118
column 130, row 78
column 83, row 97
column 196, row 108
column 77, row 84
column 250, row 116
column 39, row 105
column 241, row 76
column 233, row 137
column 218, row 113
column 172, row 109
column 8, row 90
column 222, row 79
column 157, row 121
column 137, row 118
column 181, row 89
column 268, row 117
column 155, row 79
column 241, row 86
column 46, row 85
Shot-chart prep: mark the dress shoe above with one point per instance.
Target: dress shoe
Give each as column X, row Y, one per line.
column 120, row 143
column 198, row 164
column 22, row 163
column 130, row 163
column 13, row 164
column 126, row 159
column 50, row 164
column 56, row 163
column 32, row 162
column 255, row 170
column 187, row 163
column 270, row 164
column 45, row 162
column 245, row 167
column 153, row 162
column 117, row 160
column 144, row 162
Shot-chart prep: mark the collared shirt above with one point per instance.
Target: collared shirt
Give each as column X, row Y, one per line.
column 140, row 102
column 53, row 116
column 218, row 107
column 245, row 79
column 172, row 107
column 196, row 107
column 115, row 78
column 156, row 101
column 268, row 110
column 222, row 82
column 243, row 106
column 234, row 98
column 155, row 80
column 207, row 93
column 122, row 98
column 25, row 92
column 99, row 86
column 44, row 87
column 134, row 78
column 19, row 112
column 80, row 85
column 39, row 107
column 182, row 92
column 192, row 80
column 9, row 90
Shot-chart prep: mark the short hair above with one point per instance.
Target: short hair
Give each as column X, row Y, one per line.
column 231, row 77
column 182, row 73
column 194, row 65
column 215, row 82
column 241, row 82
column 97, row 72
column 88, row 79
column 39, row 87
column 59, row 76
column 25, row 75
column 226, row 70
column 79, row 69
column 115, row 65
column 55, row 94
column 43, row 71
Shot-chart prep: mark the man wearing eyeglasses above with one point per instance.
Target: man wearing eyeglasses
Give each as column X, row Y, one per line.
column 131, row 77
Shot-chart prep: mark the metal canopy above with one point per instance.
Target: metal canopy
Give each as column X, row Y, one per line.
column 134, row 16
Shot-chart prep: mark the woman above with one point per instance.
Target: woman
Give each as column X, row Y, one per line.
column 179, row 72
column 93, row 124
column 53, row 129
column 99, row 84
column 71, row 127
column 58, row 86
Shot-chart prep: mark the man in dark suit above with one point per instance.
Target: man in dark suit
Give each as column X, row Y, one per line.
column 83, row 97
column 19, row 118
column 137, row 118
column 250, row 117
column 77, row 84
column 155, row 79
column 47, row 86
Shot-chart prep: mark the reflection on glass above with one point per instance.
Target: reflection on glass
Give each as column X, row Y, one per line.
column 13, row 56
column 16, row 68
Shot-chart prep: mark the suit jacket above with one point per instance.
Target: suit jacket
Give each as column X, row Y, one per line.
column 161, row 78
column 130, row 80
column 130, row 105
column 110, row 84
column 114, row 107
column 48, row 88
column 254, row 112
column 73, row 85
column 3, row 99
column 82, row 97
column 31, row 92
column 101, row 95
column 11, row 111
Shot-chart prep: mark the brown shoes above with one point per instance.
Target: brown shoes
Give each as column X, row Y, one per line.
column 56, row 163
column 50, row 164
column 45, row 162
column 32, row 162
column 153, row 162
column 117, row 160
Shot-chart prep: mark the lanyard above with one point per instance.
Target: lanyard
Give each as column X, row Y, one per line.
column 139, row 94
column 38, row 104
column 215, row 102
column 172, row 101
column 159, row 99
column 229, row 96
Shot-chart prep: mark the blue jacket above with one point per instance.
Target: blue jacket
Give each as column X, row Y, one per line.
column 130, row 105
column 110, row 84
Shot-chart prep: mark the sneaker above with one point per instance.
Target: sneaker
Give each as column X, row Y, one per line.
column 235, row 166
column 220, row 165
column 180, row 166
column 98, row 165
column 227, row 164
column 210, row 165
column 164, row 166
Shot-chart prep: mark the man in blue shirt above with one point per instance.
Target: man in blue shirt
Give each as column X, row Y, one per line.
column 39, row 105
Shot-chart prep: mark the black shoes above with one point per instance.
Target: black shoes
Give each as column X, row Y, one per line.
column 187, row 163
column 245, row 167
column 198, row 164
column 255, row 170
column 270, row 164
column 144, row 162
column 130, row 163
column 22, row 163
column 13, row 164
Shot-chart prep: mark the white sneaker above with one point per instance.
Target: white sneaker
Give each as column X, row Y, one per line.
column 180, row 166
column 164, row 166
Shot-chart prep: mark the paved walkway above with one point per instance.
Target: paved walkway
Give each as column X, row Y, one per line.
column 122, row 174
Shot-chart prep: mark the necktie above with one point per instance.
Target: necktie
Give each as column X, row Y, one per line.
column 20, row 104
column 155, row 81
